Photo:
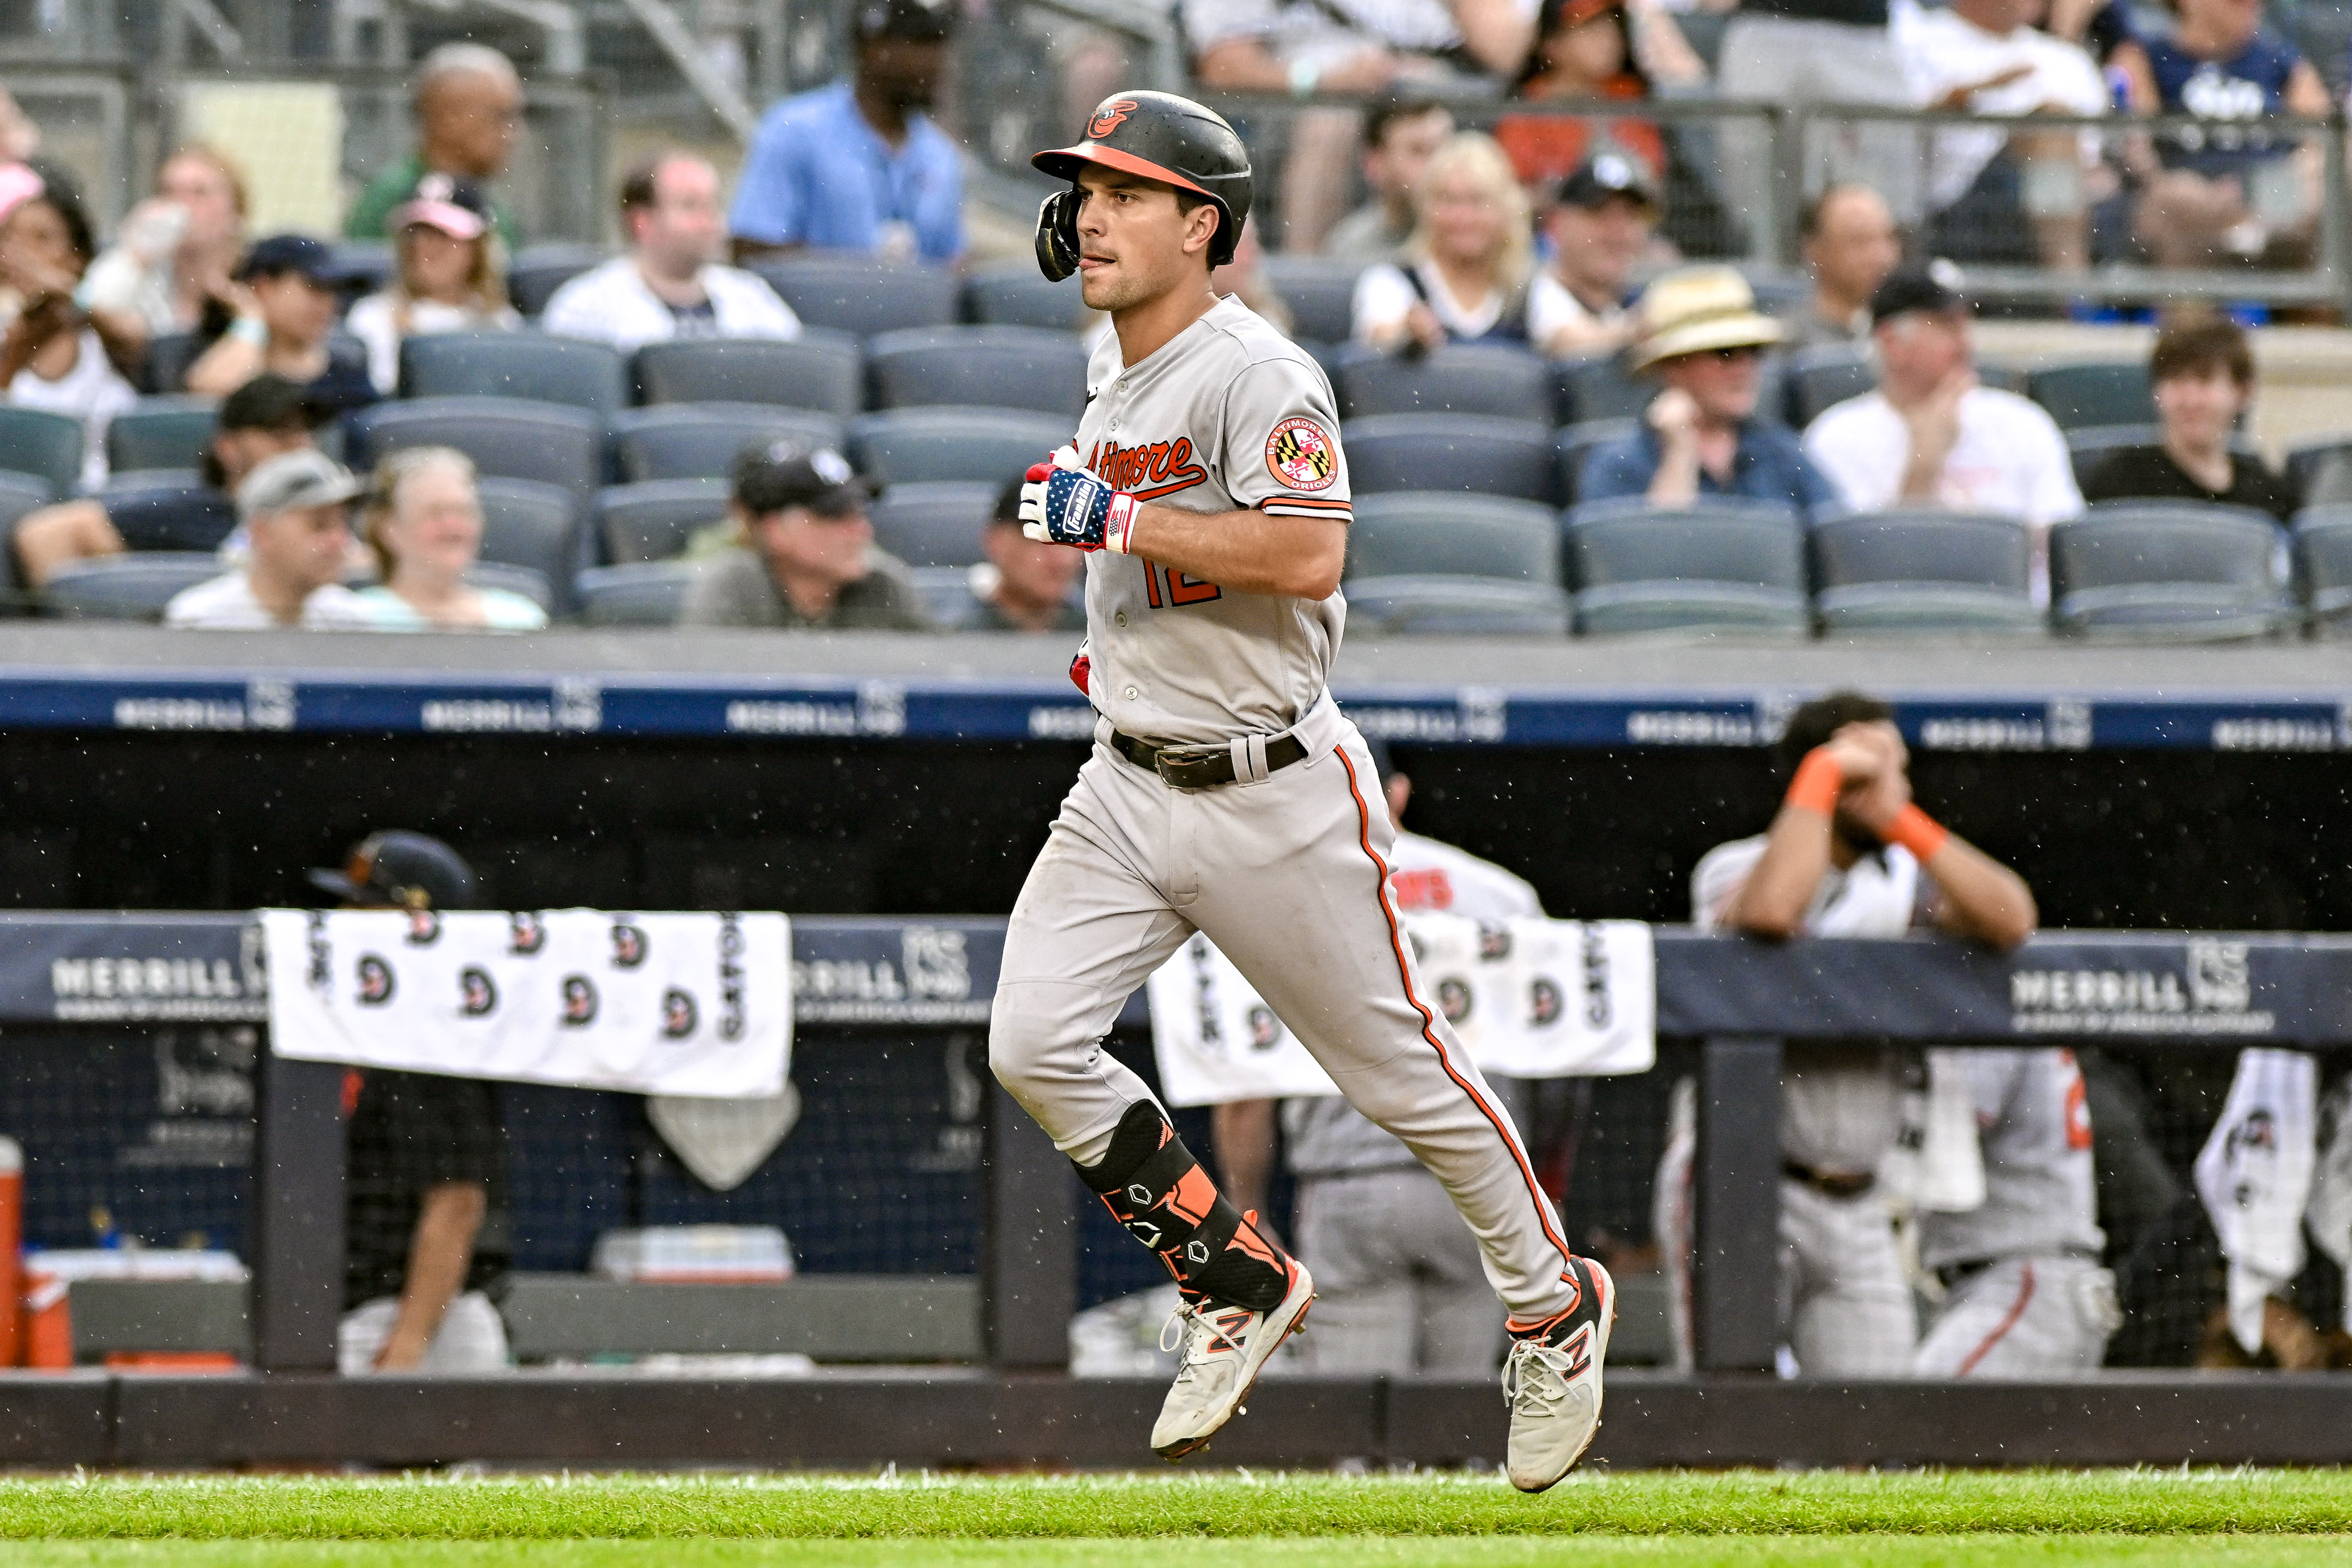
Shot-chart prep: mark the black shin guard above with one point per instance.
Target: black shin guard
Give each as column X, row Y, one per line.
column 1158, row 1191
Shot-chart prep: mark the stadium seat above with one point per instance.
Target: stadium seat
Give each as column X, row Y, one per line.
column 1924, row 571
column 2322, row 551
column 946, row 592
column 980, row 367
column 47, row 445
column 19, row 493
column 1716, row 567
column 537, row 527
column 854, row 295
column 822, row 370
column 1508, row 383
column 2089, row 445
column 133, row 587
column 159, row 510
column 2170, row 571
column 650, row 593
column 653, row 521
column 2321, row 469
column 1017, row 294
column 535, row 365
column 161, row 433
column 362, row 267
column 989, row 445
column 539, row 270
column 1450, row 452
column 1576, row 443
column 1322, row 294
column 1826, row 374
column 1600, row 387
column 1456, row 606
column 2082, row 396
column 1409, row 534
column 164, row 371
column 937, row 524
column 700, row 440
column 532, row 585
column 512, row 438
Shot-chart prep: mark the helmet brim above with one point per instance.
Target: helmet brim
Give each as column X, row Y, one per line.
column 1065, row 163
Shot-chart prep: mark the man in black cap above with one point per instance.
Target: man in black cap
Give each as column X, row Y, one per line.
column 425, row 1211
column 806, row 558
column 1601, row 218
column 1023, row 586
column 858, row 165
column 287, row 304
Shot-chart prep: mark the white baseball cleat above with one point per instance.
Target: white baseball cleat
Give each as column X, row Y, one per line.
column 1225, row 1348
column 1551, row 1380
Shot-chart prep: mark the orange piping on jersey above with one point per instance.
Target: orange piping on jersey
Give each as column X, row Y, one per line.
column 1310, row 502
column 1429, row 1024
column 2001, row 1331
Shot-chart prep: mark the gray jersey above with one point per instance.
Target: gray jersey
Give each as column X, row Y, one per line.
column 2034, row 1127
column 1227, row 416
column 1326, row 1136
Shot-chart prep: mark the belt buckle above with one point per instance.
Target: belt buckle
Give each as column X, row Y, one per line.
column 1190, row 767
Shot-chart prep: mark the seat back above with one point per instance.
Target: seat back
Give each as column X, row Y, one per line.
column 987, row 446
column 2134, row 544
column 19, row 493
column 1404, row 534
column 1575, row 445
column 934, row 524
column 133, row 587
column 1456, row 606
column 2081, row 396
column 1613, row 543
column 1600, row 386
column 980, row 367
column 1017, row 294
column 649, row 594
column 1508, row 383
column 653, row 521
column 700, row 440
column 1824, row 376
column 2092, row 444
column 161, row 433
column 2321, row 470
column 1322, row 294
column 535, row 365
column 530, row 584
column 45, row 444
column 1923, row 547
column 537, row 527
column 819, row 369
column 860, row 296
column 1450, row 452
column 509, row 438
column 539, row 270
column 160, row 510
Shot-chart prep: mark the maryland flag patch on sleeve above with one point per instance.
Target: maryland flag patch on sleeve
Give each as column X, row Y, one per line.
column 1301, row 455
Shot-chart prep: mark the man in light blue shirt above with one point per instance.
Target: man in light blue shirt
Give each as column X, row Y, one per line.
column 858, row 165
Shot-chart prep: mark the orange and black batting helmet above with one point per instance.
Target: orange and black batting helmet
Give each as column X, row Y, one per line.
column 1156, row 136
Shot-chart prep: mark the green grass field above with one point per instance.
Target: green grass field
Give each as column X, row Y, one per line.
column 1816, row 1521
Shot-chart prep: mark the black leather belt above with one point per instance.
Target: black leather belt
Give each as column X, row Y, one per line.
column 1829, row 1184
column 1202, row 766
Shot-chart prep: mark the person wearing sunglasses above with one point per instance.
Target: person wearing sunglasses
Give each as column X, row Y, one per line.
column 1702, row 335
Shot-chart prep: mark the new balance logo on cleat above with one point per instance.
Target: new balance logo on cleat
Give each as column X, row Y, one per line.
column 1224, row 1350
column 1552, row 1381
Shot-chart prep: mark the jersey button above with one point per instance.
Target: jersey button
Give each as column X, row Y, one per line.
column 1129, row 694
column 1122, row 617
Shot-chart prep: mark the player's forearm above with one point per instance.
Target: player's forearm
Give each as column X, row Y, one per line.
column 1981, row 897
column 1244, row 552
column 1241, row 1134
column 1773, row 900
column 440, row 1251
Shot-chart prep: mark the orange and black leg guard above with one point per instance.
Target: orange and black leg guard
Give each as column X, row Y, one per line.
column 1153, row 1187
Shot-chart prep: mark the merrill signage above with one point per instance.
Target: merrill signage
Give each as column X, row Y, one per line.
column 2210, row 994
column 159, row 979
column 915, row 974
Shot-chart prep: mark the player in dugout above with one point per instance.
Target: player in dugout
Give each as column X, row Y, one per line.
column 1226, row 794
column 424, row 1205
column 1848, row 854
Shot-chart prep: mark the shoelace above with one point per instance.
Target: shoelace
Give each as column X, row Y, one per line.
column 1193, row 1330
column 1545, row 1384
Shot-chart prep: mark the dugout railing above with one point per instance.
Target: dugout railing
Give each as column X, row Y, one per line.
column 92, row 980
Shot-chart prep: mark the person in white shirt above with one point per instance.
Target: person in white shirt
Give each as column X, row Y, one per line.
column 670, row 285
column 423, row 526
column 1930, row 436
column 448, row 277
column 1600, row 224
column 53, row 357
column 1988, row 189
column 295, row 513
column 173, row 253
column 1464, row 276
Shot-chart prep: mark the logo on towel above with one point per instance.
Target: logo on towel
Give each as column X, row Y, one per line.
column 628, row 944
column 526, row 934
column 579, row 1001
column 376, row 983
column 679, row 1014
column 423, row 928
column 477, row 991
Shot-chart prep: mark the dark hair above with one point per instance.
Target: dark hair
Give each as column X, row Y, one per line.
column 1008, row 505
column 1390, row 106
column 64, row 198
column 639, row 186
column 1547, row 21
column 1814, row 722
column 2198, row 339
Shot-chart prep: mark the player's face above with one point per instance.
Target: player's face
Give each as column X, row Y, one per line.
column 1135, row 243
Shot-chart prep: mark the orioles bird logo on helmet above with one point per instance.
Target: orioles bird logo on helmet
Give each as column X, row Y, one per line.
column 1109, row 118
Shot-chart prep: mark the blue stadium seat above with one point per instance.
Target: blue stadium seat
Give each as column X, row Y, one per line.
column 2170, row 571
column 2320, row 468
column 1450, row 452
column 1715, row 567
column 1507, row 383
column 19, row 493
column 650, row 593
column 511, row 438
column 161, row 433
column 1824, row 375
column 1575, row 445
column 852, row 294
column 1017, row 294
column 1322, row 294
column 1410, row 534
column 1924, row 571
column 989, row 446
column 980, row 367
column 700, row 440
column 2323, row 549
column 653, row 521
column 938, row 523
column 1600, row 386
column 539, row 270
column 362, row 267
column 946, row 592
column 2082, row 396
column 532, row 585
column 535, row 365
column 538, row 528
column 161, row 509
column 1456, row 606
column 819, row 369
column 47, row 445
column 133, row 587
column 165, row 369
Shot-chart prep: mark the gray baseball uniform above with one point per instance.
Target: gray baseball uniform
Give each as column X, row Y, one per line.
column 1286, row 868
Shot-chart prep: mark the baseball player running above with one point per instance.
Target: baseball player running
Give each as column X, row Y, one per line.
column 1226, row 795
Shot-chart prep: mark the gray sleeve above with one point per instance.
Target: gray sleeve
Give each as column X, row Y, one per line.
column 719, row 596
column 1281, row 442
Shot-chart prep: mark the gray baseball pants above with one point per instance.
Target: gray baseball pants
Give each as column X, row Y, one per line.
column 1286, row 874
column 1397, row 1278
column 2023, row 1318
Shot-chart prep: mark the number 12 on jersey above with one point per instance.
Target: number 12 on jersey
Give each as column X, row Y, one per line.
column 1165, row 588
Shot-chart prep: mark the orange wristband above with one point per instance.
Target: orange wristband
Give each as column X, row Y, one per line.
column 1918, row 833
column 1818, row 779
